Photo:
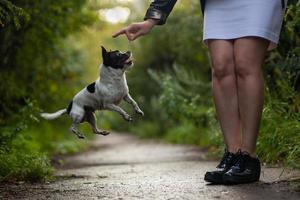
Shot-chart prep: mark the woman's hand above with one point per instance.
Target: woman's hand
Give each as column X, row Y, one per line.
column 136, row 30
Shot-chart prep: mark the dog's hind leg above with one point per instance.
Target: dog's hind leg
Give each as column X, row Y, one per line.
column 77, row 114
column 74, row 130
column 91, row 119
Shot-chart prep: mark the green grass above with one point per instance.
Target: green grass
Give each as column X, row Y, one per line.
column 24, row 165
column 279, row 138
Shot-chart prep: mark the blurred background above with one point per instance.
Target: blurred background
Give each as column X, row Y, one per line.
column 49, row 50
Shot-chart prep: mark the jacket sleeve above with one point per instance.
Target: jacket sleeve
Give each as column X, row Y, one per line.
column 160, row 10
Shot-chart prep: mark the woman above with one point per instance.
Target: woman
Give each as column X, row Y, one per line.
column 238, row 35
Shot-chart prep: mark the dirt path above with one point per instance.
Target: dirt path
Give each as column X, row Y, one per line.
column 120, row 166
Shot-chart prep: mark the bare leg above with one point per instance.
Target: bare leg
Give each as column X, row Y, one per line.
column 91, row 119
column 74, row 130
column 249, row 54
column 225, row 91
column 115, row 108
column 131, row 101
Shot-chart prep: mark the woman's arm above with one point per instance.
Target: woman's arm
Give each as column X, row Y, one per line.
column 160, row 10
column 156, row 14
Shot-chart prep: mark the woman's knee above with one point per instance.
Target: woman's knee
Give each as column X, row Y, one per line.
column 222, row 66
column 249, row 55
column 222, row 57
column 246, row 66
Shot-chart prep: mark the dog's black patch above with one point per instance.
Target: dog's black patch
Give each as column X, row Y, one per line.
column 91, row 87
column 88, row 109
column 69, row 107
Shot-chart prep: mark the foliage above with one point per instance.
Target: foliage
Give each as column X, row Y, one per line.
column 279, row 134
column 13, row 15
column 17, row 165
column 37, row 66
column 280, row 131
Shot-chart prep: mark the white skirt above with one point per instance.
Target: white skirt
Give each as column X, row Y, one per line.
column 231, row 19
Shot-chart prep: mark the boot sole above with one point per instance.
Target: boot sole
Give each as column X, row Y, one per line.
column 239, row 180
column 212, row 179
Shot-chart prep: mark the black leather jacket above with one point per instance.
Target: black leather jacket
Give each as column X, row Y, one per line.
column 160, row 10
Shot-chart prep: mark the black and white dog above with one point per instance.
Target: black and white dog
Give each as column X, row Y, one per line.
column 104, row 94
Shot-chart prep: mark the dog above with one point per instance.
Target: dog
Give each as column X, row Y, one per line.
column 106, row 93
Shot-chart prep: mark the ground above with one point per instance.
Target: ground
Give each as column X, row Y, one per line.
column 121, row 166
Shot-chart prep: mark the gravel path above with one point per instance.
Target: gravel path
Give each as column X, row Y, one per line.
column 120, row 166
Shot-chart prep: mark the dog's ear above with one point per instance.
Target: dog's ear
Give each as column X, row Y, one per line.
column 104, row 55
column 104, row 52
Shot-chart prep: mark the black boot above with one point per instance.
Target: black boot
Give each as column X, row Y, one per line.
column 225, row 164
column 245, row 170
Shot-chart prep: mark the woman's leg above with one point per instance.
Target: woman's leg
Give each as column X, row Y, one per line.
column 249, row 54
column 224, row 85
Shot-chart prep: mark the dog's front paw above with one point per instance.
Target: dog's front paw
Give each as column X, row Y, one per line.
column 140, row 112
column 128, row 118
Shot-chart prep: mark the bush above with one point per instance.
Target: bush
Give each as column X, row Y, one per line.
column 24, row 165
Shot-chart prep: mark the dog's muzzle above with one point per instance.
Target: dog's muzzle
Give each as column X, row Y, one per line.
column 129, row 61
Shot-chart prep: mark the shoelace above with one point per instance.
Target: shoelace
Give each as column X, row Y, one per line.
column 226, row 159
column 241, row 160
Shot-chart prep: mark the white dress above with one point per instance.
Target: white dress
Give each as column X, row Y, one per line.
column 231, row 19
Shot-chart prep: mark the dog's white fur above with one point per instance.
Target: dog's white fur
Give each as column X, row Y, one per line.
column 110, row 89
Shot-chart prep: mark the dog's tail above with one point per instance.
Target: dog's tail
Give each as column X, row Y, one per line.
column 55, row 115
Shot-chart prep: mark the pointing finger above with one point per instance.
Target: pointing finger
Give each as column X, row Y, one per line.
column 123, row 31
